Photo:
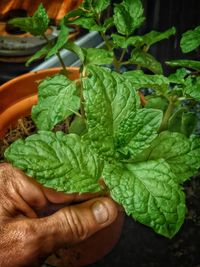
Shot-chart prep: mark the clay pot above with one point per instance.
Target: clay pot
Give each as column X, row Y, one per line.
column 16, row 100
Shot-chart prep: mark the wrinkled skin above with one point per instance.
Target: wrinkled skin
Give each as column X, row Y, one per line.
column 26, row 238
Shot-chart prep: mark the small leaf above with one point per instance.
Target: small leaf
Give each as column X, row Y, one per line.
column 192, row 87
column 39, row 54
column 128, row 16
column 156, row 102
column 138, row 130
column 145, row 60
column 62, row 39
column 88, row 23
column 124, row 42
column 154, row 36
column 71, row 46
column 78, row 126
column 57, row 100
column 190, row 40
column 97, row 56
column 178, row 76
column 100, row 5
column 189, row 123
column 36, row 25
column 149, row 193
column 140, row 80
column 175, row 121
column 191, row 64
column 56, row 160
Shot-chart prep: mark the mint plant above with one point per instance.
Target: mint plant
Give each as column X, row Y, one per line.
column 140, row 155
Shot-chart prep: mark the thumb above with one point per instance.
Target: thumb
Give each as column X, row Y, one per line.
column 74, row 223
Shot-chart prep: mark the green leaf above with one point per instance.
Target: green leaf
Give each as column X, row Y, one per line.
column 109, row 98
column 71, row 46
column 124, row 42
column 154, row 36
column 140, row 80
column 149, row 193
column 178, row 151
column 97, row 56
column 189, row 123
column 57, row 100
column 175, row 121
column 128, row 16
column 100, row 5
column 191, row 64
column 145, row 60
column 56, row 160
column 192, row 87
column 36, row 25
column 62, row 39
column 190, row 40
column 78, row 126
column 156, row 102
column 39, row 54
column 138, row 130
column 179, row 76
column 88, row 23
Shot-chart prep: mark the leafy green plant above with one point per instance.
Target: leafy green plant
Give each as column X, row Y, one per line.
column 140, row 155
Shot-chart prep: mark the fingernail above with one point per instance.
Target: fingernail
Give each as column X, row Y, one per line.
column 100, row 212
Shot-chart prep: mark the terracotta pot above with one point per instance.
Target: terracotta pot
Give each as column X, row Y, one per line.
column 16, row 100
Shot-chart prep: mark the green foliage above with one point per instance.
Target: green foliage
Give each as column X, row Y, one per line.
column 36, row 25
column 62, row 39
column 185, row 63
column 190, row 40
column 143, row 151
column 119, row 142
column 57, row 100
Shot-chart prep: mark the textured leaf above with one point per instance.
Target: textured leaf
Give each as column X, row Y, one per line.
column 97, row 56
column 138, row 130
column 145, row 60
column 58, row 161
column 109, row 98
column 191, row 64
column 62, row 39
column 36, row 25
column 190, row 40
column 178, row 151
column 128, row 16
column 57, row 100
column 148, row 193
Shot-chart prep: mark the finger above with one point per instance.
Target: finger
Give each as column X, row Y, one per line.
column 56, row 197
column 25, row 194
column 74, row 223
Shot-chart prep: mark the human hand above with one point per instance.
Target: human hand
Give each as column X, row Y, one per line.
column 26, row 239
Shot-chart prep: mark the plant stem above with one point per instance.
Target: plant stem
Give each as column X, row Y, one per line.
column 167, row 115
column 58, row 55
column 83, row 74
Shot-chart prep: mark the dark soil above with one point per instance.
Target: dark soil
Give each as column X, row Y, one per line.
column 139, row 246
